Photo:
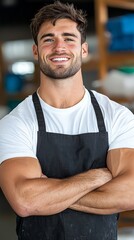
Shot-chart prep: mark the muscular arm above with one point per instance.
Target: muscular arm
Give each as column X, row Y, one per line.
column 118, row 194
column 31, row 194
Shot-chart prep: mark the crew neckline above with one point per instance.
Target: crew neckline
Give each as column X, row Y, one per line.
column 76, row 106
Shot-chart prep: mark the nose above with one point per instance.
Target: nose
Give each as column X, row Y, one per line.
column 59, row 45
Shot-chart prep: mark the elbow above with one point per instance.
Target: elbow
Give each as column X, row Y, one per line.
column 22, row 210
column 25, row 208
column 22, row 207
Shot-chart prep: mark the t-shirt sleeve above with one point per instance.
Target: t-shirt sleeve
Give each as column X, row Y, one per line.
column 122, row 129
column 15, row 139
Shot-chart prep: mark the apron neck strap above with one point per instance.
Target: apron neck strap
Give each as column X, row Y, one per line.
column 98, row 112
column 39, row 112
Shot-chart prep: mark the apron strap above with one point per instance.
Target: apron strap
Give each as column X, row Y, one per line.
column 98, row 112
column 39, row 112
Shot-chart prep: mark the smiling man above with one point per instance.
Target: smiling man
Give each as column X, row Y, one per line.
column 59, row 49
column 67, row 154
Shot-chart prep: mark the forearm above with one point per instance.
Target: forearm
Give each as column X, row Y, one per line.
column 85, row 204
column 47, row 196
column 84, row 208
column 115, row 196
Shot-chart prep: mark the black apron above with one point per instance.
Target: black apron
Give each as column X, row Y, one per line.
column 61, row 156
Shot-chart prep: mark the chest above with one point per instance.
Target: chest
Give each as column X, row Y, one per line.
column 63, row 155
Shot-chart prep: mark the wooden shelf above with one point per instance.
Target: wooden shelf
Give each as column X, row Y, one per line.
column 113, row 60
column 107, row 59
column 120, row 58
column 125, row 4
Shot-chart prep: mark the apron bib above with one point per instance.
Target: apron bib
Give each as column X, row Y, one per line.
column 62, row 156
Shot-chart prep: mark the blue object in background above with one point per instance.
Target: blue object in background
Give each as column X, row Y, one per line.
column 121, row 25
column 13, row 83
column 121, row 31
column 122, row 43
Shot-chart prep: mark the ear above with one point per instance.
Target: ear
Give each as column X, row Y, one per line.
column 35, row 52
column 84, row 50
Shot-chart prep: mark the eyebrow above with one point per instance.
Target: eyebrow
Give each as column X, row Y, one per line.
column 63, row 34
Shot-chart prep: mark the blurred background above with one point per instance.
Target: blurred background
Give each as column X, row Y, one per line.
column 109, row 68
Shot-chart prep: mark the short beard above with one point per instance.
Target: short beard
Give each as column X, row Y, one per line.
column 60, row 72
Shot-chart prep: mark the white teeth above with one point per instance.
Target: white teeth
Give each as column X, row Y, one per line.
column 59, row 59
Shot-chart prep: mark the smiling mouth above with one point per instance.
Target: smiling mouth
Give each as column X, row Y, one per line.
column 59, row 59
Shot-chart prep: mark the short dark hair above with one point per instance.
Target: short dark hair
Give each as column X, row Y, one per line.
column 55, row 11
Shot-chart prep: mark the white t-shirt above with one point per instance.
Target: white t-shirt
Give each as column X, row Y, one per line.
column 18, row 129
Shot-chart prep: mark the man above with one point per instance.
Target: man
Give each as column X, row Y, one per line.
column 67, row 155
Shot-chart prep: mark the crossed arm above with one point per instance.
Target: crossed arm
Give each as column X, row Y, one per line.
column 118, row 194
column 95, row 191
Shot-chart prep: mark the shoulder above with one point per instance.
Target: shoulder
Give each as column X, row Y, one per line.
column 104, row 101
column 18, row 132
column 112, row 109
column 24, row 113
column 21, row 122
column 119, row 121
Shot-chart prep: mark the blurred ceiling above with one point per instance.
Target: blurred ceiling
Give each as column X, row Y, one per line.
column 16, row 15
column 14, row 12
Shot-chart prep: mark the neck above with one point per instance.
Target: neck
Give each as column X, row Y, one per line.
column 62, row 93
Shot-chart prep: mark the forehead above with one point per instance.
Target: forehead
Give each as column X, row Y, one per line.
column 61, row 26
